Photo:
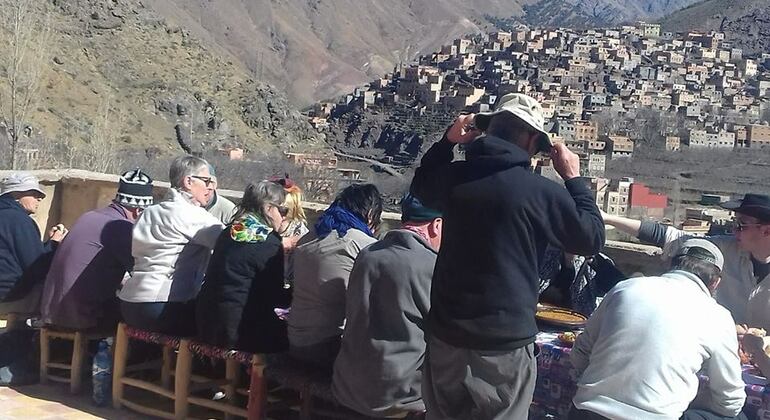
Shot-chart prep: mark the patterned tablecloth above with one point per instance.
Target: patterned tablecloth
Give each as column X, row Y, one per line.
column 556, row 384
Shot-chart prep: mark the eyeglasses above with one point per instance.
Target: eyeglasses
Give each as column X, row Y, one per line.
column 206, row 179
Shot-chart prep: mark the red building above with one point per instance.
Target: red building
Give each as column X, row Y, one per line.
column 645, row 203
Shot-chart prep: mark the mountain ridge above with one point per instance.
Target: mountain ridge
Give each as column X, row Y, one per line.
column 320, row 49
column 745, row 22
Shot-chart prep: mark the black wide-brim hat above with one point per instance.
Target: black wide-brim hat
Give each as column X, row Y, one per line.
column 754, row 205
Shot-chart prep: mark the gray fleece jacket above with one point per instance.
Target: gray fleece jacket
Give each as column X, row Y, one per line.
column 378, row 369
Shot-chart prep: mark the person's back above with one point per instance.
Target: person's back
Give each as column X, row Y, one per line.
column 496, row 239
column 172, row 243
column 244, row 281
column 378, row 369
column 655, row 335
column 87, row 269
column 321, row 270
column 89, row 266
column 322, row 264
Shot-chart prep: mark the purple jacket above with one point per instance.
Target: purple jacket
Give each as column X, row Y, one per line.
column 87, row 269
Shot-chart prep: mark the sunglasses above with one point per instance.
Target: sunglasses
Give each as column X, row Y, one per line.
column 206, row 179
column 740, row 227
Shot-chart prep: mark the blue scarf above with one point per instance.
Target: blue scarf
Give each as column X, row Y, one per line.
column 341, row 220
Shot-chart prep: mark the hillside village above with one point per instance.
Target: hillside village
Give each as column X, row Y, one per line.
column 595, row 86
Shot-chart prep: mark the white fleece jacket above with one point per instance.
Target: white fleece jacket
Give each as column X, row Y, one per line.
column 642, row 349
column 171, row 246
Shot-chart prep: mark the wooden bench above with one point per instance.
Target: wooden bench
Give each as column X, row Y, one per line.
column 179, row 369
column 80, row 341
column 169, row 345
column 188, row 383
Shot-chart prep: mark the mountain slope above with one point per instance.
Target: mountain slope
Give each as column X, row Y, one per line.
column 316, row 49
column 319, row 48
column 745, row 22
column 115, row 68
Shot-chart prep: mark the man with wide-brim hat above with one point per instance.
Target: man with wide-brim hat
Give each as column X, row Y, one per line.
column 498, row 219
column 24, row 258
column 745, row 290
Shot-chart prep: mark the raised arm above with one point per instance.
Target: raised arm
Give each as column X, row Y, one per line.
column 653, row 233
column 574, row 218
column 433, row 179
column 623, row 224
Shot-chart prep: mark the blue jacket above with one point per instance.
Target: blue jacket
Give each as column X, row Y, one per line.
column 24, row 259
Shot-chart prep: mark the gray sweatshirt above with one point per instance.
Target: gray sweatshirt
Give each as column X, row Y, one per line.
column 378, row 369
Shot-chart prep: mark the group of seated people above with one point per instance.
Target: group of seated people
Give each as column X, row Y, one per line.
column 344, row 299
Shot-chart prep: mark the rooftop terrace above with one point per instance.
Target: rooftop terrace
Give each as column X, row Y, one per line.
column 73, row 192
column 70, row 193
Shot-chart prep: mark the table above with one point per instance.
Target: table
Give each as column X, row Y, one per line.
column 556, row 385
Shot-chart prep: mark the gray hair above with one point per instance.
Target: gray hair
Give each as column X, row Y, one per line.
column 184, row 166
column 256, row 196
column 707, row 272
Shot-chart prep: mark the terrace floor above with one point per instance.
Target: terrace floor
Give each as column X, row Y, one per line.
column 53, row 402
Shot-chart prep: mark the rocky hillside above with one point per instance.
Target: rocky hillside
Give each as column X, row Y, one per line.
column 398, row 136
column 116, row 68
column 317, row 49
column 746, row 22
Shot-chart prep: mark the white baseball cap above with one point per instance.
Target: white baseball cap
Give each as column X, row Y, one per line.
column 20, row 182
column 702, row 249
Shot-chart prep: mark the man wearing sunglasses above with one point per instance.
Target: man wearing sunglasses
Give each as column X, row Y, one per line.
column 745, row 290
column 171, row 246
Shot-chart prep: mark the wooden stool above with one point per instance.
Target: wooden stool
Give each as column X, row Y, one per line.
column 233, row 359
column 80, row 341
column 120, row 368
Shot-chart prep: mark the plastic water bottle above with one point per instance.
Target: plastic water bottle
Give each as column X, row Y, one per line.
column 102, row 373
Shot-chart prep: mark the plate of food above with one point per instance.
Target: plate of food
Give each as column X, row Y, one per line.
column 560, row 317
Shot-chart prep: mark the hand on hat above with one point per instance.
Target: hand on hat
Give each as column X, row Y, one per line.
column 462, row 130
column 566, row 163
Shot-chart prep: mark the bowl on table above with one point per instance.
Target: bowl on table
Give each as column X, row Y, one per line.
column 560, row 317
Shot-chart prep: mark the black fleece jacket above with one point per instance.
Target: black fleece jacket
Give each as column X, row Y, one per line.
column 244, row 284
column 498, row 219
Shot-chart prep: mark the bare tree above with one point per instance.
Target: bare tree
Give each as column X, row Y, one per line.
column 100, row 154
column 27, row 54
